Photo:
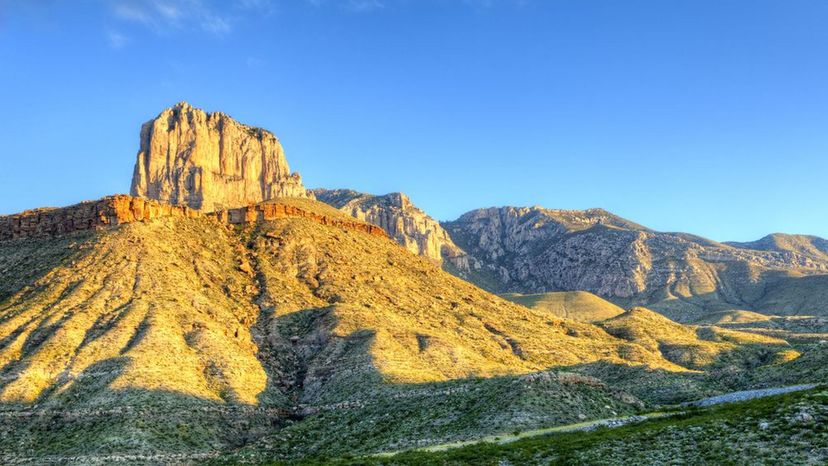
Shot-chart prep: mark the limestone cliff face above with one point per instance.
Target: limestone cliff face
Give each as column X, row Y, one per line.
column 208, row 161
column 402, row 220
column 534, row 250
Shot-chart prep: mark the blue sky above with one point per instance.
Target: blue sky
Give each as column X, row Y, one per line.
column 709, row 117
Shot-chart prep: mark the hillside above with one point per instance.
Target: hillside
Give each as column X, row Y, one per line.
column 575, row 305
column 811, row 246
column 786, row 429
column 695, row 347
column 243, row 328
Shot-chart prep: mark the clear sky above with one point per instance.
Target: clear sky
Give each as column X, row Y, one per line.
column 705, row 116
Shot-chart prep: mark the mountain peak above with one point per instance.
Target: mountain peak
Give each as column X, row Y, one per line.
column 209, row 161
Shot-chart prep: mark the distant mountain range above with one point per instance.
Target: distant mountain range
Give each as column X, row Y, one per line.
column 538, row 250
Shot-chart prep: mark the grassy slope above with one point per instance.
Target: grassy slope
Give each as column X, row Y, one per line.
column 789, row 429
column 581, row 306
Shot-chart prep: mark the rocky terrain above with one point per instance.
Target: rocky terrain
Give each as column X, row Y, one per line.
column 109, row 211
column 208, row 161
column 120, row 209
column 401, row 219
column 535, row 250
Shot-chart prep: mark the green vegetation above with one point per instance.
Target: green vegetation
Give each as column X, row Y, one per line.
column 785, row 429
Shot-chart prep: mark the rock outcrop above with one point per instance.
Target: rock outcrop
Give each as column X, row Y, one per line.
column 401, row 219
column 286, row 209
column 209, row 162
column 89, row 215
column 121, row 209
column 536, row 250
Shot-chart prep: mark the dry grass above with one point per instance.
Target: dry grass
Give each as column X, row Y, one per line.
column 580, row 306
column 165, row 295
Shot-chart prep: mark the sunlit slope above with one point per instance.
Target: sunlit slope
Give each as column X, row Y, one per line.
column 424, row 324
column 163, row 301
column 581, row 306
column 733, row 317
column 696, row 347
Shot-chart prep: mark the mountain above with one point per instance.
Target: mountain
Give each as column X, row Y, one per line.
column 278, row 330
column 208, row 161
column 404, row 221
column 537, row 250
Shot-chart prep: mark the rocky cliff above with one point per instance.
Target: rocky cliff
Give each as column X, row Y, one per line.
column 208, row 161
column 89, row 215
column 535, row 250
column 121, row 209
column 401, row 219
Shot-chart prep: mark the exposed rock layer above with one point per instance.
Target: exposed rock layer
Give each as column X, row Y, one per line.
column 89, row 215
column 208, row 161
column 121, row 209
column 406, row 223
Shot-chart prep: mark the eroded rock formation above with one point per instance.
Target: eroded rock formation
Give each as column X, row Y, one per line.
column 209, row 162
column 406, row 223
column 89, row 215
column 120, row 209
